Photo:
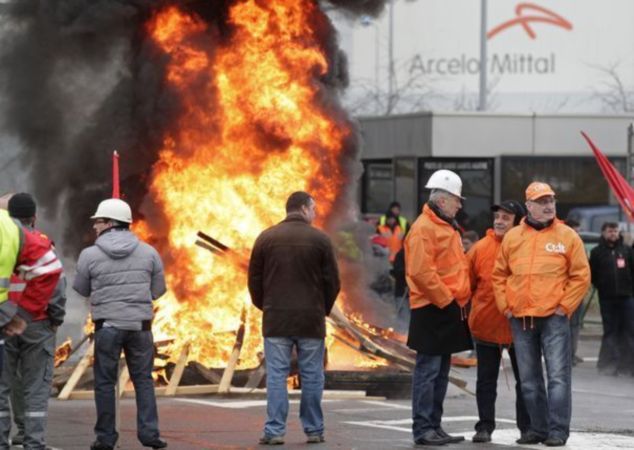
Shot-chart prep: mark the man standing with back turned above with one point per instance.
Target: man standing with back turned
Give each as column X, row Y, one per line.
column 121, row 275
column 39, row 289
column 540, row 276
column 437, row 274
column 294, row 280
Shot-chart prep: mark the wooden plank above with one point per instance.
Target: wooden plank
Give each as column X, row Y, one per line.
column 227, row 375
column 78, row 372
column 159, row 392
column 178, row 371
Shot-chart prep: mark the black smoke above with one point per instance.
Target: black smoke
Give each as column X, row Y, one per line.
column 80, row 79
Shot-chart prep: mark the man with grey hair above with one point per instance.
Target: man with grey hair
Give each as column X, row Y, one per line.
column 121, row 275
column 437, row 274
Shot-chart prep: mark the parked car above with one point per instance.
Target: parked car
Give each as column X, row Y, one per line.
column 591, row 218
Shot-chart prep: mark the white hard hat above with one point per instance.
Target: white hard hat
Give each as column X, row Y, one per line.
column 447, row 181
column 115, row 209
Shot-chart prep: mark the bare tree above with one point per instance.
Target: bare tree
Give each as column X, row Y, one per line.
column 470, row 102
column 613, row 92
column 412, row 93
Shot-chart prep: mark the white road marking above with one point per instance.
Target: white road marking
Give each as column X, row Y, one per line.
column 405, row 425
column 387, row 405
column 237, row 404
column 578, row 440
column 590, row 358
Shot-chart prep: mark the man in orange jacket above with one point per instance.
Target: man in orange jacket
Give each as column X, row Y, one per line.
column 489, row 327
column 541, row 275
column 438, row 279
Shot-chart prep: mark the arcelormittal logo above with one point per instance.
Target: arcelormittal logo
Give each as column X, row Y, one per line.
column 527, row 14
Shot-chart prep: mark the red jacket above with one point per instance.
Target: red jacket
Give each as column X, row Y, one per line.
column 36, row 275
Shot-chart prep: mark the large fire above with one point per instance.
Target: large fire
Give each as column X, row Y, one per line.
column 254, row 127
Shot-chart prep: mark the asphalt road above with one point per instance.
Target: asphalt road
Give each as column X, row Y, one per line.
column 603, row 408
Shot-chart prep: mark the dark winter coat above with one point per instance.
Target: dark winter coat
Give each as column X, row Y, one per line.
column 293, row 279
column 611, row 281
column 435, row 331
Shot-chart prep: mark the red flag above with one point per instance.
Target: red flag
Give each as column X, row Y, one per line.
column 619, row 185
column 115, row 175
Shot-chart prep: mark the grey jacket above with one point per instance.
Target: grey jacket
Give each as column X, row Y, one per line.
column 121, row 275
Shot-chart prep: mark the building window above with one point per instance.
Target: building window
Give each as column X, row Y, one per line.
column 378, row 186
column 477, row 187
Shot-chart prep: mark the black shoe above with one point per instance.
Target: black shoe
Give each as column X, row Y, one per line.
column 481, row 436
column 432, row 438
column 454, row 439
column 530, row 438
column 158, row 443
column 18, row 439
column 99, row 446
column 555, row 442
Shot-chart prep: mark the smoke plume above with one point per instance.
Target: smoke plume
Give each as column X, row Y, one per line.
column 80, row 79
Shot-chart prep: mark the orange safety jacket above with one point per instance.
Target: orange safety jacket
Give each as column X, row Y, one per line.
column 537, row 271
column 394, row 239
column 436, row 266
column 486, row 322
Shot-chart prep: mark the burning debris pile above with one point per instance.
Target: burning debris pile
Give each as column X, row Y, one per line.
column 219, row 110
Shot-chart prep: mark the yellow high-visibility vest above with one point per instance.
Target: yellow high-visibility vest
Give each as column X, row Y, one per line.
column 9, row 250
column 402, row 221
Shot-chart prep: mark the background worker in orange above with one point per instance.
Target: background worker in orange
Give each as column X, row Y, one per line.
column 438, row 278
column 393, row 234
column 541, row 275
column 490, row 329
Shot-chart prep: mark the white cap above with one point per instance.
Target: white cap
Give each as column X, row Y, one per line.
column 115, row 209
column 447, row 181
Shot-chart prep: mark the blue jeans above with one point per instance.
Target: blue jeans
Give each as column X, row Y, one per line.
column 550, row 336
column 429, row 386
column 138, row 347
column 310, row 356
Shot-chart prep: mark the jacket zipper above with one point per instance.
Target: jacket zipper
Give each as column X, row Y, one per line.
column 530, row 271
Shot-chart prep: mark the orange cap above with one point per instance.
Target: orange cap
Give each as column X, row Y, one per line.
column 538, row 189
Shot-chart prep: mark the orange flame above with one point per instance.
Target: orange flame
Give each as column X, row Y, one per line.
column 252, row 130
column 62, row 352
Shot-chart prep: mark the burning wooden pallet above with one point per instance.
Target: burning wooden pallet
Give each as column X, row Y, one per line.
column 369, row 341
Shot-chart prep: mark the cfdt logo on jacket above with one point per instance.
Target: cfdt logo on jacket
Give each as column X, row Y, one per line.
column 555, row 248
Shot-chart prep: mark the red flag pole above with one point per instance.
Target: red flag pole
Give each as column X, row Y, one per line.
column 115, row 175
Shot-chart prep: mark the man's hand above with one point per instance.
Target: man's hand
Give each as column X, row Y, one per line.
column 559, row 311
column 15, row 327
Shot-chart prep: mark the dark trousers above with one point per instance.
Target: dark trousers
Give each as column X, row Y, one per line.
column 138, row 347
column 617, row 344
column 429, row 386
column 489, row 358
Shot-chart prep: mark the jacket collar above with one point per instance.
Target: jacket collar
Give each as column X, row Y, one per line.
column 607, row 244
column 295, row 217
column 539, row 226
column 492, row 235
column 439, row 217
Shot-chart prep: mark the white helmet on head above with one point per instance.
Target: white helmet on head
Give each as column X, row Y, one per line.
column 447, row 181
column 115, row 209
